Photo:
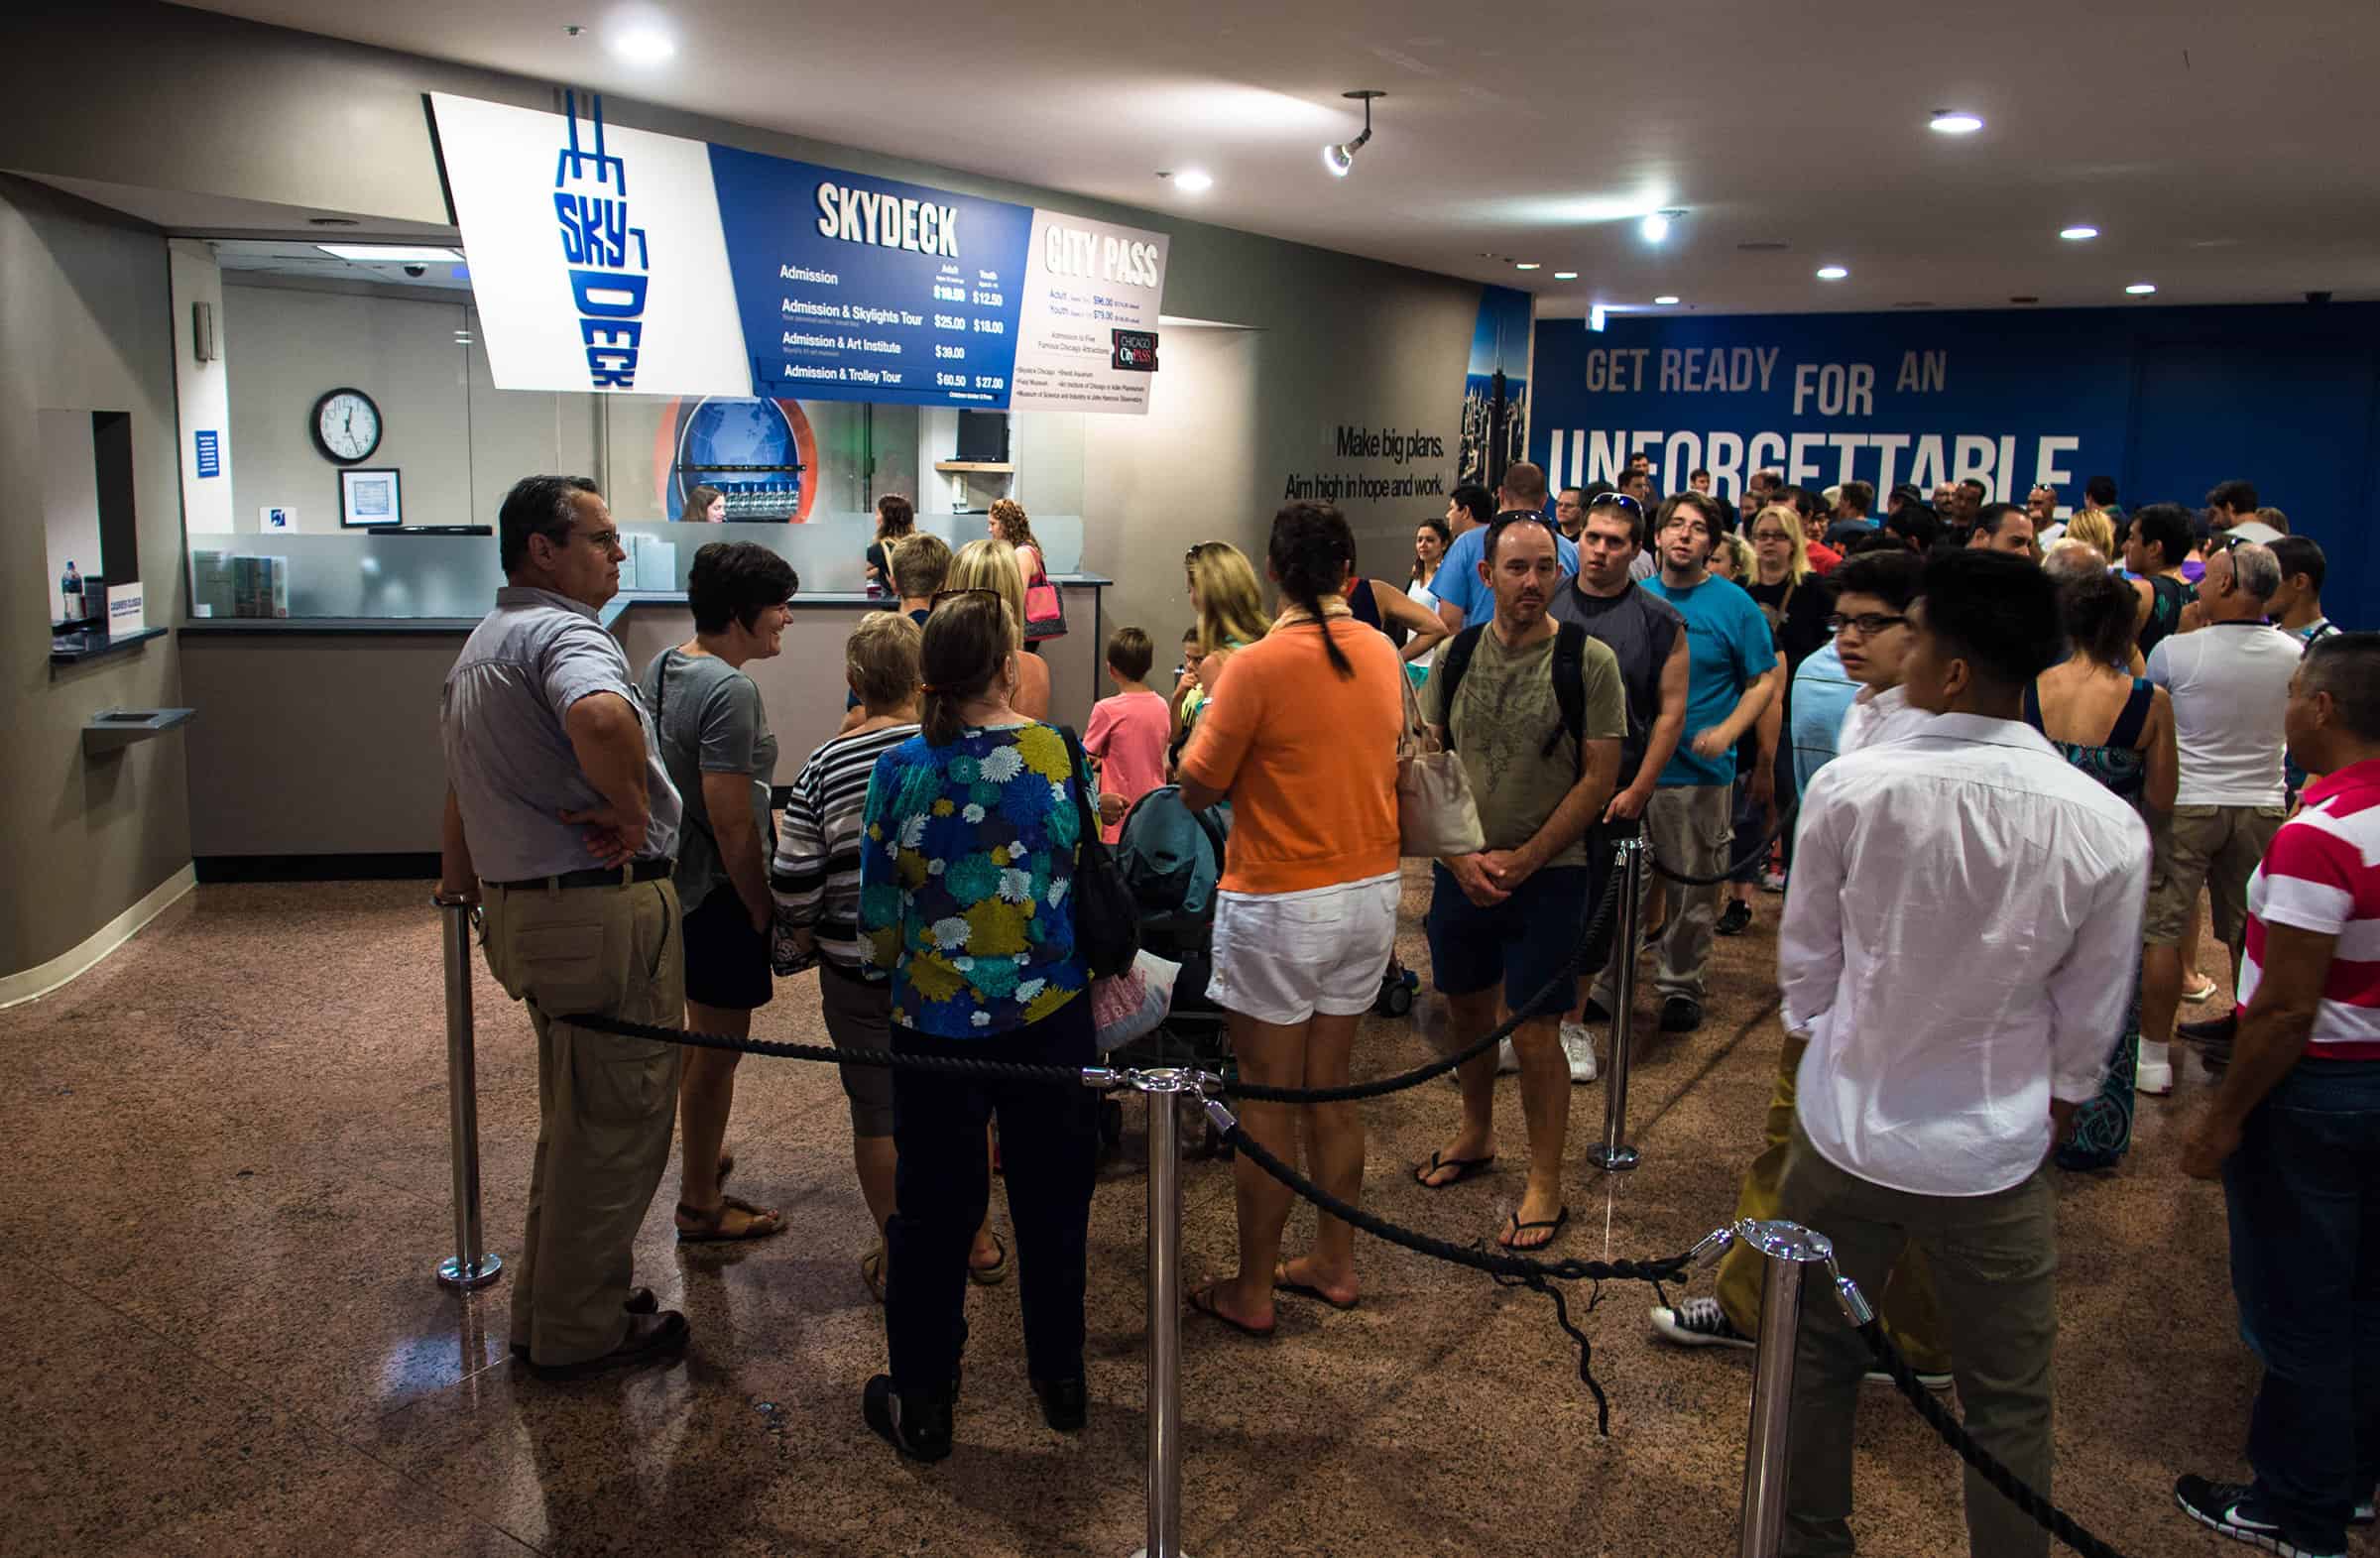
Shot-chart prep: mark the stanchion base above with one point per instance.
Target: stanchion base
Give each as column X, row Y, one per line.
column 1611, row 1160
column 453, row 1273
column 1143, row 1553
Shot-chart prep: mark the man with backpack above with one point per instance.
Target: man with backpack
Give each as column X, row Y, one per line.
column 1537, row 714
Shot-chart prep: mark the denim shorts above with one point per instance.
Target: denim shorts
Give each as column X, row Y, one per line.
column 1526, row 941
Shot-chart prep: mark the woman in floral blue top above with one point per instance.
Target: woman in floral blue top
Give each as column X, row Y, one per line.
column 966, row 900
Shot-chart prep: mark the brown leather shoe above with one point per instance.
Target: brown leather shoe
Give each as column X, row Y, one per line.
column 651, row 1339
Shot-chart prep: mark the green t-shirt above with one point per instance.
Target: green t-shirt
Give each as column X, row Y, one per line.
column 1503, row 715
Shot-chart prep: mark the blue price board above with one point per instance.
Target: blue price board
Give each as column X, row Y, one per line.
column 854, row 288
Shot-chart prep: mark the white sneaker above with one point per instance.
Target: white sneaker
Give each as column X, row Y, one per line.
column 1577, row 1046
column 1506, row 1063
column 2154, row 1078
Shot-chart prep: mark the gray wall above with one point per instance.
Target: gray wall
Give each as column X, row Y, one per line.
column 84, row 326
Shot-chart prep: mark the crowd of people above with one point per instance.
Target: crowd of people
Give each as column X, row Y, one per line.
column 2003, row 753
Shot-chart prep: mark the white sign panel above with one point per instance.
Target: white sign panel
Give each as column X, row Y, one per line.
column 1088, row 341
column 596, row 253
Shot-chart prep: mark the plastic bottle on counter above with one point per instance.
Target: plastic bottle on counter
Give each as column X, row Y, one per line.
column 69, row 590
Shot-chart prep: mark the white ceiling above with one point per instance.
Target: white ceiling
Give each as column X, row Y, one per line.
column 2228, row 153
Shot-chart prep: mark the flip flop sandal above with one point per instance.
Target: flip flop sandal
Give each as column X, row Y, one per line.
column 997, row 1272
column 1560, row 1221
column 711, row 1225
column 1282, row 1284
column 1464, row 1167
column 1202, row 1301
column 872, row 1272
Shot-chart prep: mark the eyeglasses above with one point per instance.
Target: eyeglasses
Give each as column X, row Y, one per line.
column 1868, row 623
column 1760, row 536
column 939, row 596
column 604, row 540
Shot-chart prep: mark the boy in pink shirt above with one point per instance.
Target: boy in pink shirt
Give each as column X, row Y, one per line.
column 1128, row 732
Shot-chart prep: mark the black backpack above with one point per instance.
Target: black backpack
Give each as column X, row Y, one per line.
column 1570, row 692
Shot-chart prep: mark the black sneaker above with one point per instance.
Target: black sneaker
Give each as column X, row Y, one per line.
column 2232, row 1509
column 918, row 1426
column 1697, row 1322
column 640, row 1302
column 1735, row 920
column 1065, row 1403
column 1681, row 1014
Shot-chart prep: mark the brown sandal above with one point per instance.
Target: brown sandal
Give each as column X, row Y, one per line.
column 711, row 1225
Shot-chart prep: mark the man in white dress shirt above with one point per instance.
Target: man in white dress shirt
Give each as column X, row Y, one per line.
column 1958, row 897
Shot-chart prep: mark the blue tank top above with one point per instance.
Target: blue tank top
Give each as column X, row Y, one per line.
column 2117, row 763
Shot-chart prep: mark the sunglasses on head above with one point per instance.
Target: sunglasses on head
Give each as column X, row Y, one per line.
column 1616, row 500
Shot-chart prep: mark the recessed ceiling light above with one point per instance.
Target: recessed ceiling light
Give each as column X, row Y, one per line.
column 1566, row 276
column 643, row 46
column 1950, row 121
column 392, row 252
column 1190, row 180
column 2141, row 289
column 1831, row 273
column 1655, row 225
column 1524, row 265
column 2078, row 234
column 1665, row 299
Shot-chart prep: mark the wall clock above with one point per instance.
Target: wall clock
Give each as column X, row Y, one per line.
column 345, row 425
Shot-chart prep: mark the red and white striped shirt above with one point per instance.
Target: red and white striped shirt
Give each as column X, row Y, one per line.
column 2323, row 875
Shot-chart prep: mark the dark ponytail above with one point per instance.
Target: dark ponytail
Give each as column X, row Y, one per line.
column 967, row 641
column 1312, row 553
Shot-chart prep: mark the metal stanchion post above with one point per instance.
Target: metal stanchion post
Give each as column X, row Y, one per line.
column 470, row 1266
column 1162, row 1088
column 1789, row 1248
column 1612, row 1155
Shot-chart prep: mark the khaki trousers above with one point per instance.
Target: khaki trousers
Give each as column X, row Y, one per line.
column 606, row 1105
column 1689, row 827
column 1912, row 1314
column 1995, row 1262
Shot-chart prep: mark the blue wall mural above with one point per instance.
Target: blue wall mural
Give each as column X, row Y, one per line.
column 2166, row 401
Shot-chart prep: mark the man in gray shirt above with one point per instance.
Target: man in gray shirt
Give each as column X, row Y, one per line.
column 558, row 811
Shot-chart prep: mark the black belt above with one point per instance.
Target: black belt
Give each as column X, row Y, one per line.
column 598, row 876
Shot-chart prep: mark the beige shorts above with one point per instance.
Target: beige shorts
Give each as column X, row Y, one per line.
column 2213, row 847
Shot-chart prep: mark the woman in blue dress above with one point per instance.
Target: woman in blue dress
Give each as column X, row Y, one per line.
column 2118, row 728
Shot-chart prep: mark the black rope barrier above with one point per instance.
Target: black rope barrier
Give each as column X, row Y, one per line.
column 2065, row 1527
column 1758, row 850
column 959, row 1065
column 1509, row 1268
column 1554, row 996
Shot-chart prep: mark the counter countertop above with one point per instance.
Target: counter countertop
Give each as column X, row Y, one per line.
column 613, row 610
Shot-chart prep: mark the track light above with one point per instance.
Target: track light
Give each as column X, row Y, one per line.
column 1339, row 158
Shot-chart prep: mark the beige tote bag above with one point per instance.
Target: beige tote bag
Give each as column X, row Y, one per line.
column 1435, row 814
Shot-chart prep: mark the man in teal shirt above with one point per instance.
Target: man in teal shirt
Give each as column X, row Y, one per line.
column 1732, row 672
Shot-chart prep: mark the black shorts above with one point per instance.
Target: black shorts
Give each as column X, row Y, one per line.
column 727, row 961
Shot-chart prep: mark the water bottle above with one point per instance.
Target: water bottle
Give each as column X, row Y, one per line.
column 70, row 589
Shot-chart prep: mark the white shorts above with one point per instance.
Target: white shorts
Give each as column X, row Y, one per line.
column 1282, row 957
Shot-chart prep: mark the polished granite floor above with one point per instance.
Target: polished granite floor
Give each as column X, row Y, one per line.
column 231, row 1186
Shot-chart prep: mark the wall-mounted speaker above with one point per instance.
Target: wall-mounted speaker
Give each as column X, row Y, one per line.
column 203, row 331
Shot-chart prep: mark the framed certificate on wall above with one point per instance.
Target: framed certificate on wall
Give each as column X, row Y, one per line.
column 370, row 499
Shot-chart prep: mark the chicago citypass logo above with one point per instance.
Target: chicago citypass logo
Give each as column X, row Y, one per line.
column 596, row 239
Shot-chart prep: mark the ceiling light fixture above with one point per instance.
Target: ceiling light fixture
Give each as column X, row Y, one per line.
column 1950, row 121
column 1831, row 273
column 2078, row 234
column 2141, row 289
column 392, row 252
column 1655, row 225
column 1339, row 158
column 1525, row 265
column 643, row 46
column 1566, row 276
column 1191, row 181
column 1664, row 300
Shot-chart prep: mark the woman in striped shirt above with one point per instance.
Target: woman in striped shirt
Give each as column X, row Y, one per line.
column 816, row 878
